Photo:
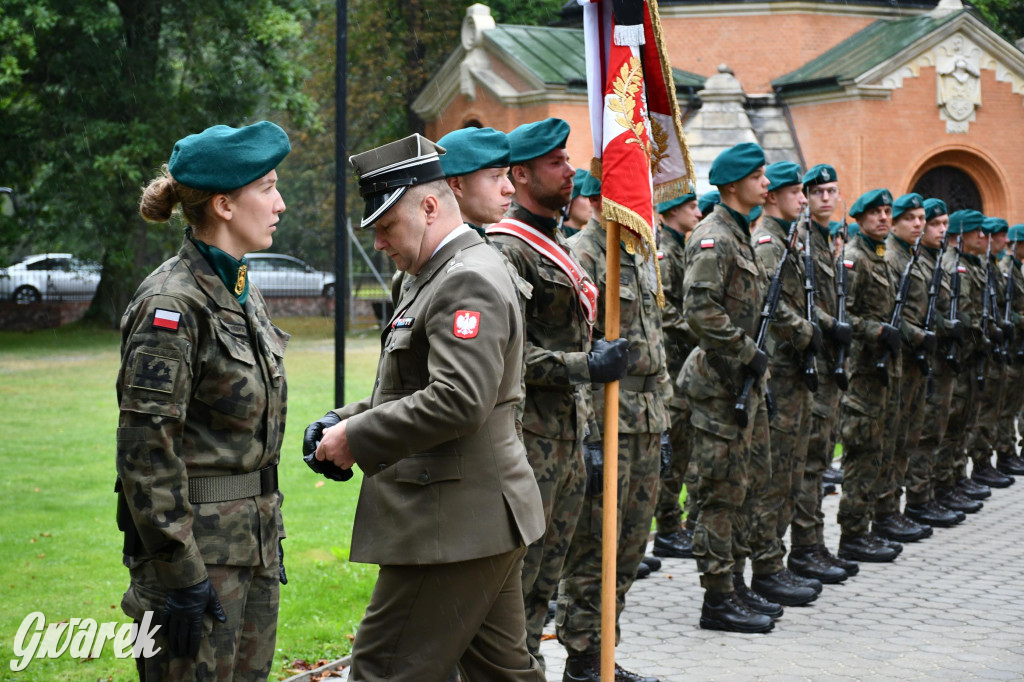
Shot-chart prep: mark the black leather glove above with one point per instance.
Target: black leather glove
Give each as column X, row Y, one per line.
column 928, row 343
column 841, row 334
column 593, row 460
column 666, row 454
column 889, row 336
column 183, row 616
column 311, row 439
column 607, row 360
column 281, row 574
column 758, row 364
column 1009, row 333
column 814, row 345
column 956, row 330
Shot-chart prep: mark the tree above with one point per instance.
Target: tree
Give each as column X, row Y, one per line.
column 1005, row 16
column 94, row 95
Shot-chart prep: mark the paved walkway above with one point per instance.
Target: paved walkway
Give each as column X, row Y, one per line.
column 949, row 608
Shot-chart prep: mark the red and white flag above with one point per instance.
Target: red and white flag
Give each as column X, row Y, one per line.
column 640, row 153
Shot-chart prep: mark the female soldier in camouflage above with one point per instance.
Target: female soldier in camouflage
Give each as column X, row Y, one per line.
column 202, row 403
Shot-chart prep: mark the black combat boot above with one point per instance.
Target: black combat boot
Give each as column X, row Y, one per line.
column 954, row 498
column 908, row 523
column 752, row 600
column 832, row 475
column 987, row 474
column 864, row 548
column 725, row 611
column 642, row 571
column 781, row 588
column 805, row 561
column 886, row 542
column 889, row 526
column 678, row 545
column 973, row 489
column 653, row 563
column 1010, row 464
column 582, row 668
column 932, row 514
column 827, row 557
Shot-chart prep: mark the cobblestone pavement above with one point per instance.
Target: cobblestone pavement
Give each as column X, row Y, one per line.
column 949, row 608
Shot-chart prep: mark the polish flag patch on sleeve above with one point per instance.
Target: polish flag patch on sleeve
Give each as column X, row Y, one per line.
column 848, row 264
column 166, row 319
column 707, row 243
column 467, row 324
column 961, row 269
column 764, row 239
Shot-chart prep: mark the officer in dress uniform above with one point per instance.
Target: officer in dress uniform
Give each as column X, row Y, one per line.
column 448, row 502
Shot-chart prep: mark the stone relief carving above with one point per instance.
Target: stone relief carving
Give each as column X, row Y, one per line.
column 958, row 82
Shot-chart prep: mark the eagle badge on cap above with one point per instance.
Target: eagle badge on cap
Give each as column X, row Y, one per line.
column 824, row 174
column 467, row 324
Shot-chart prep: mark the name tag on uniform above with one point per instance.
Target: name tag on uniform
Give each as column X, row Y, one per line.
column 403, row 323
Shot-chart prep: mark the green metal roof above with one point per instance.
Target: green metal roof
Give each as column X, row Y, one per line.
column 557, row 56
column 861, row 52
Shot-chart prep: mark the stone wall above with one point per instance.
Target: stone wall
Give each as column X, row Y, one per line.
column 23, row 318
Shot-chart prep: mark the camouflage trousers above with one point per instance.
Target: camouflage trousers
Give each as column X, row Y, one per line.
column 562, row 479
column 690, row 480
column 808, row 526
column 922, row 476
column 735, row 466
column 240, row 649
column 869, row 412
column 789, row 431
column 908, row 433
column 578, row 615
column 982, row 439
column 668, row 513
column 963, row 417
column 1013, row 401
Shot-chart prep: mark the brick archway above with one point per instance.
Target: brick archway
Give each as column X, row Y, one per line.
column 988, row 177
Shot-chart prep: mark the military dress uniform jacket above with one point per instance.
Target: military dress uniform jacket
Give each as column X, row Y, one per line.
column 645, row 391
column 445, row 477
column 679, row 340
column 202, row 393
column 557, row 338
column 790, row 331
column 869, row 302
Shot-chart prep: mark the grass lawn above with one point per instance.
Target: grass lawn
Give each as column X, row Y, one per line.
column 61, row 547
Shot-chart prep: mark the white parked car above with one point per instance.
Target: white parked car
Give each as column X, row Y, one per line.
column 49, row 277
column 279, row 275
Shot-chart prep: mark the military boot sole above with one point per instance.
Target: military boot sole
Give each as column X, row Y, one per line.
column 712, row 624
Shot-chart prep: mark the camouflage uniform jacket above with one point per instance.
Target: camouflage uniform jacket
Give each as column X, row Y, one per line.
column 445, row 476
column 941, row 324
column 205, row 398
column 825, row 299
column 790, row 331
column 557, row 338
column 1008, row 264
column 971, row 274
column 679, row 340
column 915, row 306
column 725, row 287
column 869, row 302
column 642, row 409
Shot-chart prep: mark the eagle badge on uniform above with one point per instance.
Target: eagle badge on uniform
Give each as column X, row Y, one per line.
column 467, row 324
column 880, row 250
column 707, row 243
column 166, row 319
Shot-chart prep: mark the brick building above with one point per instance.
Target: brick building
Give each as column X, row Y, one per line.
column 912, row 96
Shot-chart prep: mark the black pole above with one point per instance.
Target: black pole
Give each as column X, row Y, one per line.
column 340, row 228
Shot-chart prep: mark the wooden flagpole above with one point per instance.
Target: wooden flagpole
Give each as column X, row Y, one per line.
column 610, row 516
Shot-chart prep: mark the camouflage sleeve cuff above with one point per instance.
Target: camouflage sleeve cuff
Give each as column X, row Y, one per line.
column 749, row 350
column 576, row 365
column 184, row 571
column 825, row 321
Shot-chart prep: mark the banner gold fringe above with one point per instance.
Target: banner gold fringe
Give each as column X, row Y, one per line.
column 637, row 236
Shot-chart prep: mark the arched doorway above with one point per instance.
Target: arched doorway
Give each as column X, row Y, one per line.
column 953, row 186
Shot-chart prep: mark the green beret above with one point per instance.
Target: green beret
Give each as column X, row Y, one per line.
column 666, row 206
column 782, row 174
column 852, row 229
column 708, row 200
column 834, row 226
column 933, row 208
column 385, row 173
column 755, row 214
column 994, row 225
column 962, row 222
column 736, row 163
column 578, row 180
column 471, row 149
column 222, row 158
column 531, row 140
column 869, row 200
column 819, row 175
column 906, row 203
column 1016, row 233
column 591, row 187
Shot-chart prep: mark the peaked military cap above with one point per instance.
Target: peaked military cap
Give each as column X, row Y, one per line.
column 994, row 225
column 1016, row 233
column 783, row 174
column 906, row 203
column 385, row 173
column 471, row 149
column 708, row 200
column 962, row 222
column 531, row 140
column 591, row 187
column 666, row 206
column 819, row 175
column 933, row 208
column 869, row 200
column 222, row 158
column 736, row 163
column 578, row 180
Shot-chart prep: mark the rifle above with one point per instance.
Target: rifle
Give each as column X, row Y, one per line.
column 929, row 316
column 771, row 302
column 839, row 372
column 810, row 365
column 896, row 319
column 1008, row 315
column 987, row 306
column 952, row 358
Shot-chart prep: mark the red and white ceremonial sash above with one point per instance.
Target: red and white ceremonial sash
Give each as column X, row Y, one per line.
column 549, row 248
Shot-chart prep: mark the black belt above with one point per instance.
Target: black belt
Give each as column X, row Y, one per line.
column 232, row 487
column 637, row 384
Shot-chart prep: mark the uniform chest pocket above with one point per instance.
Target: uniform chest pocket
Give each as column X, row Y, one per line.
column 743, row 294
column 234, row 338
column 880, row 279
column 402, row 370
column 827, row 269
column 429, row 468
column 554, row 298
column 232, row 383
